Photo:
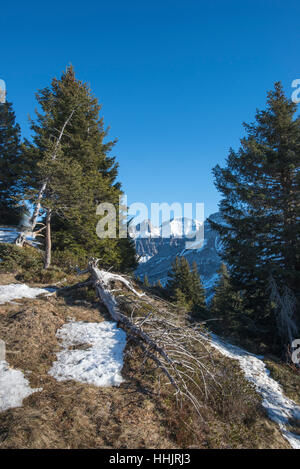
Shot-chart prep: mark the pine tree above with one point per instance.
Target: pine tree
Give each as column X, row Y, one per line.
column 185, row 287
column 260, row 206
column 146, row 281
column 70, row 160
column 11, row 211
column 226, row 305
column 198, row 294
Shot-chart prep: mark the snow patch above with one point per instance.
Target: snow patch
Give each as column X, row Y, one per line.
column 16, row 291
column 144, row 258
column 101, row 361
column 9, row 235
column 14, row 387
column 279, row 408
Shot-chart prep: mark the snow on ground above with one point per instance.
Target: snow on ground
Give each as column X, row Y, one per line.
column 280, row 408
column 16, row 291
column 8, row 235
column 100, row 363
column 14, row 387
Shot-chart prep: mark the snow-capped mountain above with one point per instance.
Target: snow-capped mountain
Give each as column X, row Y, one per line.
column 157, row 252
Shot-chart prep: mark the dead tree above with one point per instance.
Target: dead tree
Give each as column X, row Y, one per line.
column 20, row 240
column 47, row 260
column 176, row 349
column 38, row 204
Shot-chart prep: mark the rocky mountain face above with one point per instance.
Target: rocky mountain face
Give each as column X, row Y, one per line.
column 157, row 253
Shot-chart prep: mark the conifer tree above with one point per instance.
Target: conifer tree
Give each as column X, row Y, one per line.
column 185, row 287
column 261, row 207
column 11, row 210
column 80, row 176
column 146, row 281
column 198, row 294
column 226, row 305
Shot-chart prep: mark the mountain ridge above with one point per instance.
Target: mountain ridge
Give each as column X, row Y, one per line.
column 158, row 253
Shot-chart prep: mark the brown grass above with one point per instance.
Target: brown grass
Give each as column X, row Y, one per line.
column 141, row 413
column 288, row 376
column 70, row 414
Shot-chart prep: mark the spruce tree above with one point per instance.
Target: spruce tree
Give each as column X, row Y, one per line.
column 185, row 288
column 198, row 294
column 80, row 176
column 260, row 206
column 226, row 305
column 11, row 168
column 146, row 281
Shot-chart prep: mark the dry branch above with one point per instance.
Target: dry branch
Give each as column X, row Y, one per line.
column 176, row 348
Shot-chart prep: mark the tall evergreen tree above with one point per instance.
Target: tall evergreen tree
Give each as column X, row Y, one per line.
column 198, row 294
column 226, row 305
column 146, row 281
column 11, row 168
column 261, row 206
column 79, row 175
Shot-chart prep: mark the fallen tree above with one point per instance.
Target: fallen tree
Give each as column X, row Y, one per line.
column 176, row 348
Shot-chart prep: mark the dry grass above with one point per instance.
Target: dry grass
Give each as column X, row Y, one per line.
column 70, row 414
column 288, row 376
column 141, row 413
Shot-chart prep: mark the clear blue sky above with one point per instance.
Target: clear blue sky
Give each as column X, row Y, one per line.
column 176, row 78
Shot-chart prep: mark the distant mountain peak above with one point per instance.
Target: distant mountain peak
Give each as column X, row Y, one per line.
column 174, row 228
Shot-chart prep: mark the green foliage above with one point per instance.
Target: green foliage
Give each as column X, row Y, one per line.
column 78, row 170
column 14, row 258
column 260, row 187
column 146, row 281
column 11, row 167
column 27, row 263
column 185, row 287
column 226, row 305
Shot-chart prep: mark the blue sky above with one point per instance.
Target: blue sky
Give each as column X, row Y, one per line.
column 176, row 78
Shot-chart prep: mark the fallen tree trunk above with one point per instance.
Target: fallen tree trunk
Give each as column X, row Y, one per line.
column 177, row 350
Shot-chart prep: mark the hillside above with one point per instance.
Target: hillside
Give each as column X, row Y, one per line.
column 136, row 410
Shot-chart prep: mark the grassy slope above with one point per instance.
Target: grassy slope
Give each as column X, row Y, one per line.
column 141, row 413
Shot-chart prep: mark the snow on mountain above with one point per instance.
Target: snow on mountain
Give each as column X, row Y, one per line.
column 161, row 251
column 144, row 230
column 175, row 228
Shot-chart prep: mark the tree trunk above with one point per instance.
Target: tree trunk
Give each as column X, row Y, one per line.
column 38, row 204
column 47, row 261
column 37, row 209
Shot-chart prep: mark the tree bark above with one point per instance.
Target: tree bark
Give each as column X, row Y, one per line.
column 36, row 212
column 176, row 349
column 47, row 261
